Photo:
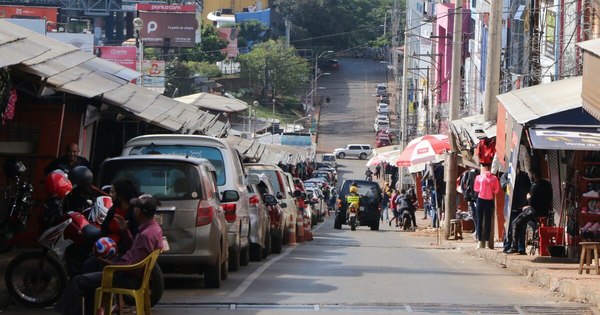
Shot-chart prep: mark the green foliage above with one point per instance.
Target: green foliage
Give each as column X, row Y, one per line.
column 179, row 78
column 203, row 68
column 284, row 69
column 251, row 31
column 336, row 24
column 208, row 50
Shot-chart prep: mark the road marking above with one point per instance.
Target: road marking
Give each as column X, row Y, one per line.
column 253, row 276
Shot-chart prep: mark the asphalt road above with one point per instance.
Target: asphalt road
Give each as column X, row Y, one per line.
column 363, row 271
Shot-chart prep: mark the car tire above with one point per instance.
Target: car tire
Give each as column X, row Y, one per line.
column 224, row 269
column 256, row 252
column 362, row 156
column 375, row 226
column 234, row 260
column 245, row 256
column 276, row 242
column 341, row 155
column 267, row 249
column 212, row 276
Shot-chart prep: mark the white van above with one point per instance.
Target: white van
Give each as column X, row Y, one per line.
column 231, row 180
column 329, row 158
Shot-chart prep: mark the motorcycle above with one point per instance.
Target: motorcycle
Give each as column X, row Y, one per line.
column 38, row 278
column 406, row 220
column 353, row 216
column 19, row 200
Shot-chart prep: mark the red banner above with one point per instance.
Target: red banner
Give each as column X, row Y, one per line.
column 22, row 12
column 122, row 55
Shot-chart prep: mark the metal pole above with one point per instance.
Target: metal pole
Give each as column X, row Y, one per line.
column 273, row 124
column 455, row 83
column 492, row 79
column 403, row 136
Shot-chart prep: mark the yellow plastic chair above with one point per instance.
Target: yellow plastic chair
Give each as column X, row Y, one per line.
column 104, row 294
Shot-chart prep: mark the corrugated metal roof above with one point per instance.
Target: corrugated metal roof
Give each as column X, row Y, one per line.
column 530, row 103
column 592, row 46
column 214, row 102
column 66, row 68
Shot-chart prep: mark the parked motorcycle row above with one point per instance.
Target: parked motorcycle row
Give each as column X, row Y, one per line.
column 242, row 212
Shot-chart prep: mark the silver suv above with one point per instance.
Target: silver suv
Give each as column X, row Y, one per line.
column 361, row 151
column 190, row 214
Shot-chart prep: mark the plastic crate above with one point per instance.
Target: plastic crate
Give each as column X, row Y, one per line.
column 550, row 236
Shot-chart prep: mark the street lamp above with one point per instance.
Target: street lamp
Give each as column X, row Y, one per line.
column 316, row 75
column 138, row 23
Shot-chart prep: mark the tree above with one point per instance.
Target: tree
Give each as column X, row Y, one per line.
column 208, row 50
column 335, row 24
column 204, row 68
column 251, row 31
column 278, row 67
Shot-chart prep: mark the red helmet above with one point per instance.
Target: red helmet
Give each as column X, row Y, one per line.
column 58, row 184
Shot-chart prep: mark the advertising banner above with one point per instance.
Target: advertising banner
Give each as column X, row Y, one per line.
column 22, row 12
column 153, row 73
column 168, row 29
column 230, row 35
column 122, row 55
column 163, row 7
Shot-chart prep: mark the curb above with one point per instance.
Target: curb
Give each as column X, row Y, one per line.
column 572, row 288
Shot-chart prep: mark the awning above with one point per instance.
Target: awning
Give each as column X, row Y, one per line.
column 590, row 93
column 473, row 128
column 558, row 102
column 214, row 102
column 565, row 137
column 66, row 68
column 267, row 153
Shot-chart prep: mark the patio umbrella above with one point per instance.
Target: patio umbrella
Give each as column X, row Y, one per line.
column 423, row 149
column 383, row 157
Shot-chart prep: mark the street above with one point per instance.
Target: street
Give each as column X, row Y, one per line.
column 367, row 272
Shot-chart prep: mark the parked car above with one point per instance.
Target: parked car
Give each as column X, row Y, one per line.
column 381, row 89
column 190, row 213
column 381, row 125
column 383, row 139
column 316, row 200
column 283, row 192
column 330, row 159
column 328, row 176
column 370, row 203
column 383, row 109
column 260, row 234
column 361, row 151
column 333, row 171
column 231, row 180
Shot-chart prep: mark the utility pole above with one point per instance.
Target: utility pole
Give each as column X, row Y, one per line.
column 492, row 79
column 455, row 83
column 404, row 103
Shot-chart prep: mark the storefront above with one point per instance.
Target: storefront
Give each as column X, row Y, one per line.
column 545, row 126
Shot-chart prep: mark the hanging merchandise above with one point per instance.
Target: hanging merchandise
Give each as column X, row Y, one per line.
column 486, row 149
column 5, row 88
column 9, row 111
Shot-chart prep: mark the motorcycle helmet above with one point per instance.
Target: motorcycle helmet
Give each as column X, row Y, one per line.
column 58, row 184
column 81, row 176
column 13, row 168
column 353, row 189
column 100, row 209
column 354, row 205
column 105, row 247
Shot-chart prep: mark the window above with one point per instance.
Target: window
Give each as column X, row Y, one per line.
column 213, row 155
column 366, row 147
column 164, row 180
column 354, row 147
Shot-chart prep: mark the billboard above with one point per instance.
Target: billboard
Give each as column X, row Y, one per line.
column 168, row 29
column 122, row 55
column 164, row 7
column 24, row 12
column 230, row 35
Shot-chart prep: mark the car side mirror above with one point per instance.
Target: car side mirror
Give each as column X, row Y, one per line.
column 279, row 195
column 230, row 196
column 270, row 200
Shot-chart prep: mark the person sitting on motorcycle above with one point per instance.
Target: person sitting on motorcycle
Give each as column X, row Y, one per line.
column 143, row 244
column 406, row 204
column 352, row 197
column 84, row 193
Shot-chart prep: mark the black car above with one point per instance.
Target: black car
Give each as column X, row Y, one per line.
column 370, row 203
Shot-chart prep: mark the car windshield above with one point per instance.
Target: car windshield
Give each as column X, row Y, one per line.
column 162, row 179
column 272, row 175
column 213, row 155
column 328, row 158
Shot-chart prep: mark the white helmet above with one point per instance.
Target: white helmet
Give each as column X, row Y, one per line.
column 100, row 209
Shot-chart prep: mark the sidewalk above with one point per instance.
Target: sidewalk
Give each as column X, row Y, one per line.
column 559, row 275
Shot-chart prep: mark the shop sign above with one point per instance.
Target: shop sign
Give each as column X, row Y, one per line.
column 564, row 140
column 121, row 55
column 167, row 29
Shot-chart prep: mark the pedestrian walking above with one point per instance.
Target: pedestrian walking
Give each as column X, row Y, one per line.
column 385, row 202
column 377, row 171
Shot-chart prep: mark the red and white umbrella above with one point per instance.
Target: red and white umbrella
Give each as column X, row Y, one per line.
column 382, row 157
column 423, row 149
